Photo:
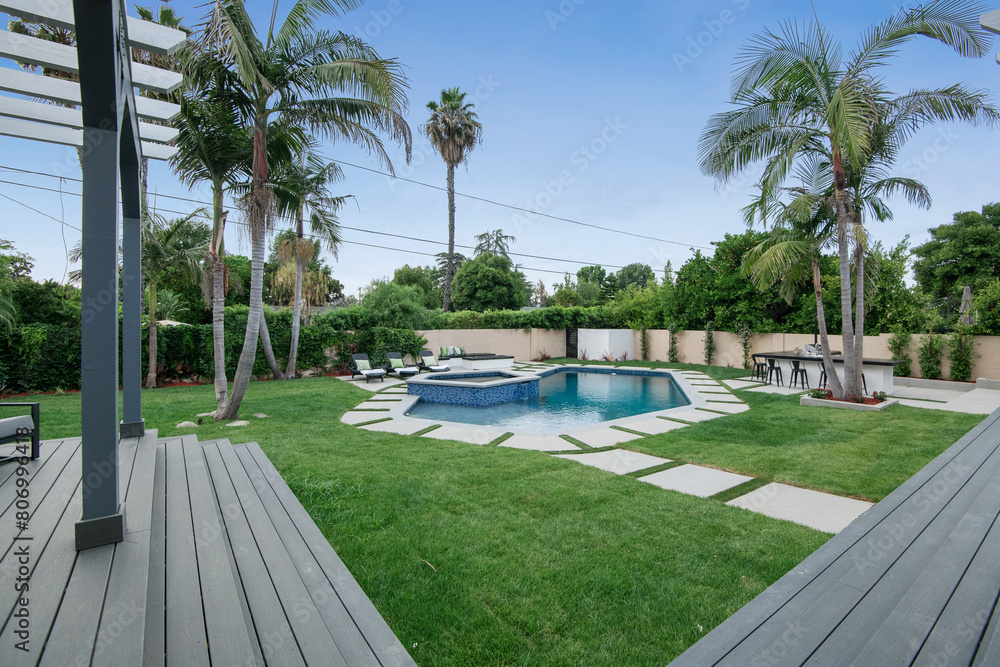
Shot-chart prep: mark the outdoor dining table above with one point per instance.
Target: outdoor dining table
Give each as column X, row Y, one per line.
column 878, row 372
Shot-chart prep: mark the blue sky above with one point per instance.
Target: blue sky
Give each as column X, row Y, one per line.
column 591, row 111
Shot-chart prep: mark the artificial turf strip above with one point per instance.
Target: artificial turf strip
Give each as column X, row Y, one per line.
column 740, row 490
column 368, row 423
column 424, row 431
column 538, row 561
column 650, row 471
column 497, row 441
column 628, row 430
column 579, row 443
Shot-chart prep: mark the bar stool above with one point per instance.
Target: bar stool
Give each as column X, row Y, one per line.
column 759, row 367
column 772, row 370
column 799, row 374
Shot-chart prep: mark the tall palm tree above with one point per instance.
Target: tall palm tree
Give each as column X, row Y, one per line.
column 453, row 130
column 329, row 82
column 168, row 248
column 795, row 97
column 302, row 187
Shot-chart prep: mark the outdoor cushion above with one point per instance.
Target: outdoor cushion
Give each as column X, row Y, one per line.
column 9, row 426
column 460, row 351
column 363, row 365
column 396, row 362
column 452, row 351
column 443, row 351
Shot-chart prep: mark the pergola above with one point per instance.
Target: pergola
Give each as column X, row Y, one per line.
column 991, row 21
column 100, row 116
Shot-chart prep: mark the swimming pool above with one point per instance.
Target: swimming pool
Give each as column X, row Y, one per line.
column 567, row 398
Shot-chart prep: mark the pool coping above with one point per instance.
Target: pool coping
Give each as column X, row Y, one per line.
column 396, row 409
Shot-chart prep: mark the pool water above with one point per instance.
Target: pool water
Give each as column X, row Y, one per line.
column 567, row 399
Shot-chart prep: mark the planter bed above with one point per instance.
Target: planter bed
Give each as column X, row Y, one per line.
column 846, row 405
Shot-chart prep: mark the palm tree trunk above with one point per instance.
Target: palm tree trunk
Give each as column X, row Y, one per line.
column 248, row 355
column 449, row 272
column 265, row 342
column 218, row 301
column 859, row 316
column 832, row 379
column 151, row 374
column 850, row 385
column 297, row 296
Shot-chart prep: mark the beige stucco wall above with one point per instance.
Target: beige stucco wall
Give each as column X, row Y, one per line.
column 691, row 346
column 522, row 345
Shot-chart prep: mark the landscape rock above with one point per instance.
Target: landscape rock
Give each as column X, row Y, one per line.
column 307, row 374
column 187, row 425
column 207, row 414
column 241, row 422
column 260, row 415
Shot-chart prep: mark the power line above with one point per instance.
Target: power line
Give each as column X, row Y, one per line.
column 460, row 194
column 355, row 229
column 21, row 203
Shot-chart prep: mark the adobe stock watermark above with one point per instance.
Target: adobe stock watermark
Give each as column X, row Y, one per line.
column 715, row 27
column 581, row 159
column 380, row 19
column 562, row 12
column 917, row 166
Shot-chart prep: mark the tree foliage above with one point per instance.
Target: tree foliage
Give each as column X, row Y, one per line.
column 963, row 252
column 488, row 282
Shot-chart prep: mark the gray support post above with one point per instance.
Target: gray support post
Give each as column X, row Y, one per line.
column 100, row 50
column 133, row 425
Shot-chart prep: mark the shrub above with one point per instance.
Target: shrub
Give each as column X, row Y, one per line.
column 673, row 350
column 880, row 396
column 899, row 346
column 745, row 333
column 929, row 355
column 821, row 393
column 709, row 343
column 644, row 343
column 962, row 353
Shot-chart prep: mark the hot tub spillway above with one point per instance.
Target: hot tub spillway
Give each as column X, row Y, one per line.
column 474, row 389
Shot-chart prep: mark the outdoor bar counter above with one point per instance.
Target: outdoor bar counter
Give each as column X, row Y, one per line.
column 878, row 372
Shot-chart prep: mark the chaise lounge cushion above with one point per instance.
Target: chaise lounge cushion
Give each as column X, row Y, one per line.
column 10, row 425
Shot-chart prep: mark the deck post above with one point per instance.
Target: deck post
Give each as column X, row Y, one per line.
column 108, row 131
column 133, row 425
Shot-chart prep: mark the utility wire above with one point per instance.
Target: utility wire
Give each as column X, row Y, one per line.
column 460, row 194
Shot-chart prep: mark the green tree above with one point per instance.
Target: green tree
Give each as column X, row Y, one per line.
column 175, row 248
column 424, row 278
column 635, row 274
column 795, row 97
column 494, row 241
column 454, row 130
column 394, row 306
column 488, row 283
column 963, row 252
column 332, row 83
column 303, row 188
column 592, row 274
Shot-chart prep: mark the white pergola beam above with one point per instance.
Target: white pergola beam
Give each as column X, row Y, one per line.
column 59, row 56
column 143, row 35
column 68, row 92
column 65, row 136
column 991, row 21
column 51, row 114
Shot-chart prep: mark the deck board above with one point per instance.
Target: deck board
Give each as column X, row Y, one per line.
column 220, row 565
column 900, row 583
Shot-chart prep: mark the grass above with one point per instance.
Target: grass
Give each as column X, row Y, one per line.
column 488, row 555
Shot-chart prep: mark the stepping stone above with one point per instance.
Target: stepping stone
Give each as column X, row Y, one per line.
column 241, row 422
column 695, row 480
column 655, row 426
column 634, row 368
column 399, row 426
column 605, row 437
column 260, row 415
column 822, row 511
column 538, row 443
column 704, row 383
column 730, row 408
column 722, row 398
column 694, row 415
column 741, row 384
column 618, row 461
column 474, row 435
column 206, row 414
column 713, row 391
column 393, row 392
column 188, row 425
column 361, row 417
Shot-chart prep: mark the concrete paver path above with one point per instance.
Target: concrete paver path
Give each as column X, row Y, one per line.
column 695, row 480
column 822, row 511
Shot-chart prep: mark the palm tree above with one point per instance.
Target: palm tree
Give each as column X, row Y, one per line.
column 301, row 187
column 168, row 248
column 453, row 131
column 795, row 97
column 332, row 83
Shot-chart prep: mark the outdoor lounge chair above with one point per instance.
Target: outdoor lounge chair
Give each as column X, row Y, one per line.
column 362, row 366
column 397, row 367
column 14, row 429
column 427, row 363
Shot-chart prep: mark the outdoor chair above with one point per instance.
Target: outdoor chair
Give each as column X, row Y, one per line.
column 426, row 363
column 397, row 367
column 362, row 366
column 773, row 369
column 759, row 367
column 20, row 428
column 799, row 374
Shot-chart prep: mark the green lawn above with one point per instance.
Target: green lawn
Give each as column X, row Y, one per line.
column 488, row 555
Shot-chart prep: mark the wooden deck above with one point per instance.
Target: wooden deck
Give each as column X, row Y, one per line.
column 914, row 580
column 221, row 565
